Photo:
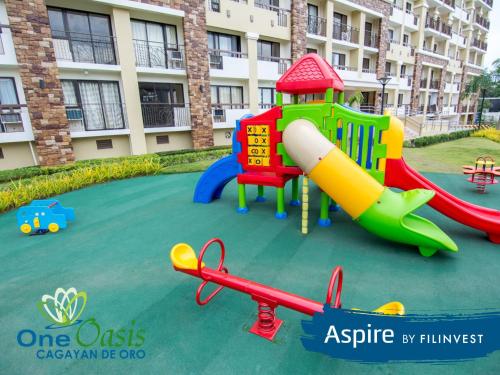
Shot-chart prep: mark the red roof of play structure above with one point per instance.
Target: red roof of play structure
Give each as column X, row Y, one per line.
column 310, row 74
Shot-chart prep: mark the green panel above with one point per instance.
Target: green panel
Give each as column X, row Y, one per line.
column 357, row 122
column 316, row 113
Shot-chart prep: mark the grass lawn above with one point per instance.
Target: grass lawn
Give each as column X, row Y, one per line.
column 448, row 157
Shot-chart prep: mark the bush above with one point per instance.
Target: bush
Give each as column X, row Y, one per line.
column 434, row 139
column 21, row 192
column 489, row 133
column 165, row 159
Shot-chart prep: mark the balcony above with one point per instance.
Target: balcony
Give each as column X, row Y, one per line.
column 482, row 21
column 96, row 116
column 423, row 83
column 345, row 33
column 11, row 117
column 156, row 55
column 450, row 3
column 84, row 48
column 371, row 39
column 316, row 25
column 405, row 80
column 458, row 39
column 281, row 63
column 282, row 13
column 433, row 50
column 216, row 57
column 225, row 115
column 434, row 84
column 479, row 44
column 413, row 17
column 344, row 67
column 437, row 25
column 161, row 115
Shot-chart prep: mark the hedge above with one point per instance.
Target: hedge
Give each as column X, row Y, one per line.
column 434, row 139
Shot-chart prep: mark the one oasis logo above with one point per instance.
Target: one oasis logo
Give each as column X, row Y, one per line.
column 69, row 337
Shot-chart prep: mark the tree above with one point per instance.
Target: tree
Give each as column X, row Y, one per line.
column 356, row 99
column 484, row 84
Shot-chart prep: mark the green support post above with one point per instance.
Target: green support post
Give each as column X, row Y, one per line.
column 324, row 220
column 242, row 199
column 341, row 98
column 260, row 194
column 295, row 192
column 280, row 203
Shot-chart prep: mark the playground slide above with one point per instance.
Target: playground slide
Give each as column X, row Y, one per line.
column 212, row 182
column 402, row 176
column 375, row 207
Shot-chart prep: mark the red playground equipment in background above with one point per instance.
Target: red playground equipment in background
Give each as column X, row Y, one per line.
column 482, row 173
column 268, row 299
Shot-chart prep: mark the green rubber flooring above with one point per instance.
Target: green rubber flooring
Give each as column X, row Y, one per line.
column 118, row 252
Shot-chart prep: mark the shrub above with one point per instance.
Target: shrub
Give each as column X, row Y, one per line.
column 434, row 139
column 489, row 133
column 21, row 192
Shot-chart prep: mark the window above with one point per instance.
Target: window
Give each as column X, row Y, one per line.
column 268, row 50
column 312, row 20
column 94, row 104
column 159, row 102
column 386, row 97
column 312, row 50
column 403, row 70
column 82, row 36
column 154, row 43
column 10, row 118
column 338, row 60
column 339, row 18
column 223, row 42
column 388, row 66
column 8, row 93
column 390, row 33
column 408, row 7
column 366, row 64
column 266, row 97
column 406, row 39
column 1, row 154
column 230, row 97
column 400, row 99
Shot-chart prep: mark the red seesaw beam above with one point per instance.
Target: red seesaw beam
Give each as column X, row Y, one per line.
column 267, row 325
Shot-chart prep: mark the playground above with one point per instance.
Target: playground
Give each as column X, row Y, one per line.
column 120, row 257
column 305, row 189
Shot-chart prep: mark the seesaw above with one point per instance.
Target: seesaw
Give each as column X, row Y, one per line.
column 268, row 299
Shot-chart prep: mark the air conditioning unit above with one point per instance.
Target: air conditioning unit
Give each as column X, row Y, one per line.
column 74, row 114
column 345, row 36
column 175, row 59
column 219, row 112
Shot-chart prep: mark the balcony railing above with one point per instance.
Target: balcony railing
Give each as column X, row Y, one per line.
column 371, row 39
column 84, row 48
column 407, row 78
column 316, row 25
column 345, row 33
column 216, row 60
column 10, row 118
column 415, row 18
column 450, row 3
column 159, row 115
column 157, row 55
column 433, row 50
column 479, row 44
column 96, row 116
column 219, row 110
column 482, row 21
column 283, row 14
column 369, row 70
column 283, row 63
column 434, row 84
column 344, row 67
column 446, row 29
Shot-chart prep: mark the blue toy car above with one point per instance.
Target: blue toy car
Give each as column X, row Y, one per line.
column 42, row 216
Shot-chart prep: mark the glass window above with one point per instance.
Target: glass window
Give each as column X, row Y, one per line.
column 406, row 39
column 266, row 96
column 338, row 59
column 340, row 18
column 224, row 42
column 268, row 50
column 100, row 103
column 167, row 93
column 8, row 93
column 151, row 42
column 400, row 99
column 312, row 50
column 366, row 63
column 388, row 67
column 227, row 96
column 312, row 10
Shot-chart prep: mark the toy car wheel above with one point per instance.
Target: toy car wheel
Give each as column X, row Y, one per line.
column 25, row 228
column 53, row 227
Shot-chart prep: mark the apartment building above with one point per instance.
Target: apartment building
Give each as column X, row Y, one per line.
column 105, row 78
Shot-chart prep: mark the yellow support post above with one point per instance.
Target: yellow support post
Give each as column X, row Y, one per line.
column 305, row 205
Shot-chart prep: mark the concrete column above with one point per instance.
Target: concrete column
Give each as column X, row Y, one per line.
column 125, row 49
column 329, row 9
column 253, row 74
column 358, row 20
column 421, row 11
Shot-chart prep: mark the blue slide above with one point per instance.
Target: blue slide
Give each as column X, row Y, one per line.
column 215, row 178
